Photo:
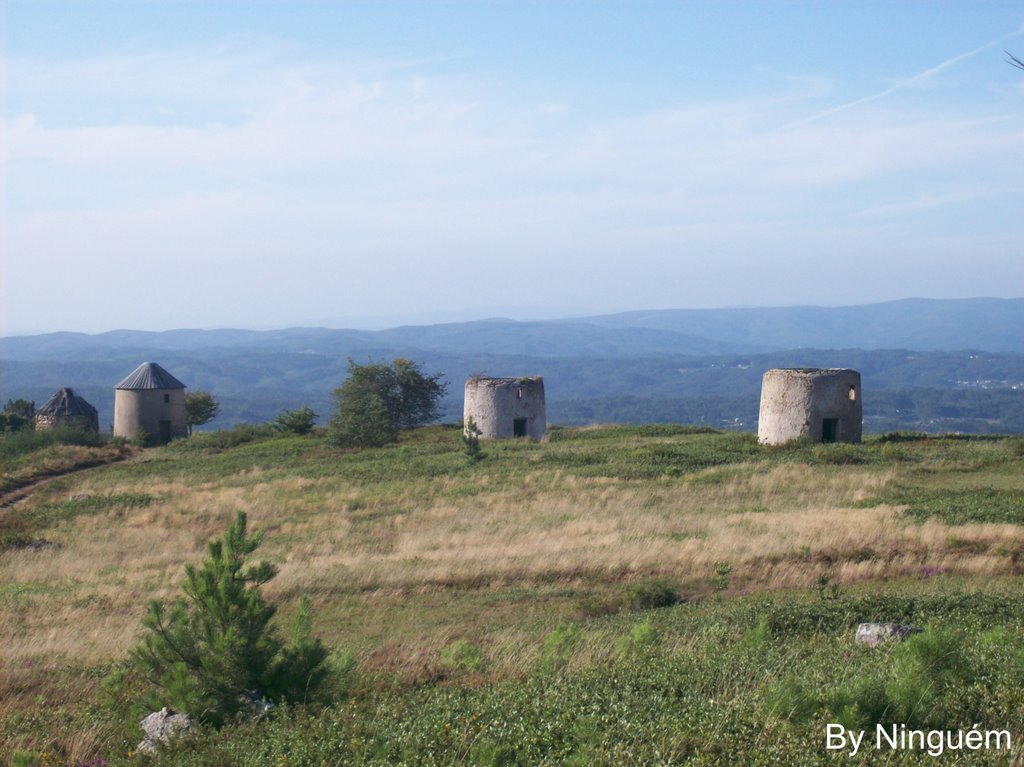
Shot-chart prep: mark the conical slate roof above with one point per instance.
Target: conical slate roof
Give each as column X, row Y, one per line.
column 149, row 375
column 66, row 402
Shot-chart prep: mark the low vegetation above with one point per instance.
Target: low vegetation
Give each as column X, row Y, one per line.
column 618, row 595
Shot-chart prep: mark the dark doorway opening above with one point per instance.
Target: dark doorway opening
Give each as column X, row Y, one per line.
column 829, row 429
column 519, row 427
column 165, row 432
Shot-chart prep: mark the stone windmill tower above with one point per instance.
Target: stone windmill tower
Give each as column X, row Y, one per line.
column 151, row 401
column 506, row 407
column 65, row 408
column 821, row 403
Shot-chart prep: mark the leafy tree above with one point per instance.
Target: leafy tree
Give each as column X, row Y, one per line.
column 215, row 648
column 361, row 419
column 9, row 422
column 18, row 414
column 299, row 421
column 379, row 399
column 201, row 408
column 418, row 395
column 21, row 407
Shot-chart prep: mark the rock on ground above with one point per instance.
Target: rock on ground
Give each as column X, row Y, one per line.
column 161, row 726
column 872, row 634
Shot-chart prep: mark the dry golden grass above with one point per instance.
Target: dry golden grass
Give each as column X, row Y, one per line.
column 361, row 549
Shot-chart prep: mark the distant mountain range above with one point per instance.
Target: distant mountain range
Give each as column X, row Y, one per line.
column 693, row 365
column 984, row 324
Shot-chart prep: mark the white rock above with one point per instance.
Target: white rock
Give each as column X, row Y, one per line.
column 872, row 634
column 161, row 726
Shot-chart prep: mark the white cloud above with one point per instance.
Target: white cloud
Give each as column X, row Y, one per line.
column 378, row 172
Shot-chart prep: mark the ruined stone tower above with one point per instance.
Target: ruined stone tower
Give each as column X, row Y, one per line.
column 506, row 407
column 65, row 408
column 150, row 400
column 822, row 403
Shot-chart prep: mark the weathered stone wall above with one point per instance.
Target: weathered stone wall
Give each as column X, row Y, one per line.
column 795, row 402
column 496, row 403
column 138, row 410
column 44, row 421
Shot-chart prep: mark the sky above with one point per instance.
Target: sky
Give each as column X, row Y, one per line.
column 272, row 164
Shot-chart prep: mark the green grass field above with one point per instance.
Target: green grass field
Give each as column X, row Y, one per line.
column 504, row 612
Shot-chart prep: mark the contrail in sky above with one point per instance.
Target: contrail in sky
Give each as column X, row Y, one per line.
column 907, row 82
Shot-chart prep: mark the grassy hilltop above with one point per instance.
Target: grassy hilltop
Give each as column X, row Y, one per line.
column 518, row 610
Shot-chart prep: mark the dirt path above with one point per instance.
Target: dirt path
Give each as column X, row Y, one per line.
column 24, row 489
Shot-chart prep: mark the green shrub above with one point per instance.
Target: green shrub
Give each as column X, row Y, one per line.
column 558, row 647
column 26, row 441
column 299, row 421
column 215, row 647
column 791, row 698
column 860, row 703
column 143, row 438
column 892, row 452
column 225, row 439
column 486, row 752
column 927, row 667
column 25, row 759
column 598, row 606
column 471, row 441
column 643, row 640
column 919, row 684
column 827, row 587
column 461, row 655
column 652, row 593
column 901, row 436
column 721, row 579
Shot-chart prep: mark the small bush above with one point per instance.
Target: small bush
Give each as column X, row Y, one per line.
column 598, row 606
column 461, row 655
column 827, row 587
column 558, row 647
column 18, row 443
column 892, row 452
column 901, row 436
column 643, row 640
column 299, row 421
column 471, row 441
column 226, row 438
column 721, row 579
column 651, row 594
column 927, row 667
column 489, row 753
column 791, row 698
column 921, row 686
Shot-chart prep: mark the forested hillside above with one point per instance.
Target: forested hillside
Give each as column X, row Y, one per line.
column 630, row 368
